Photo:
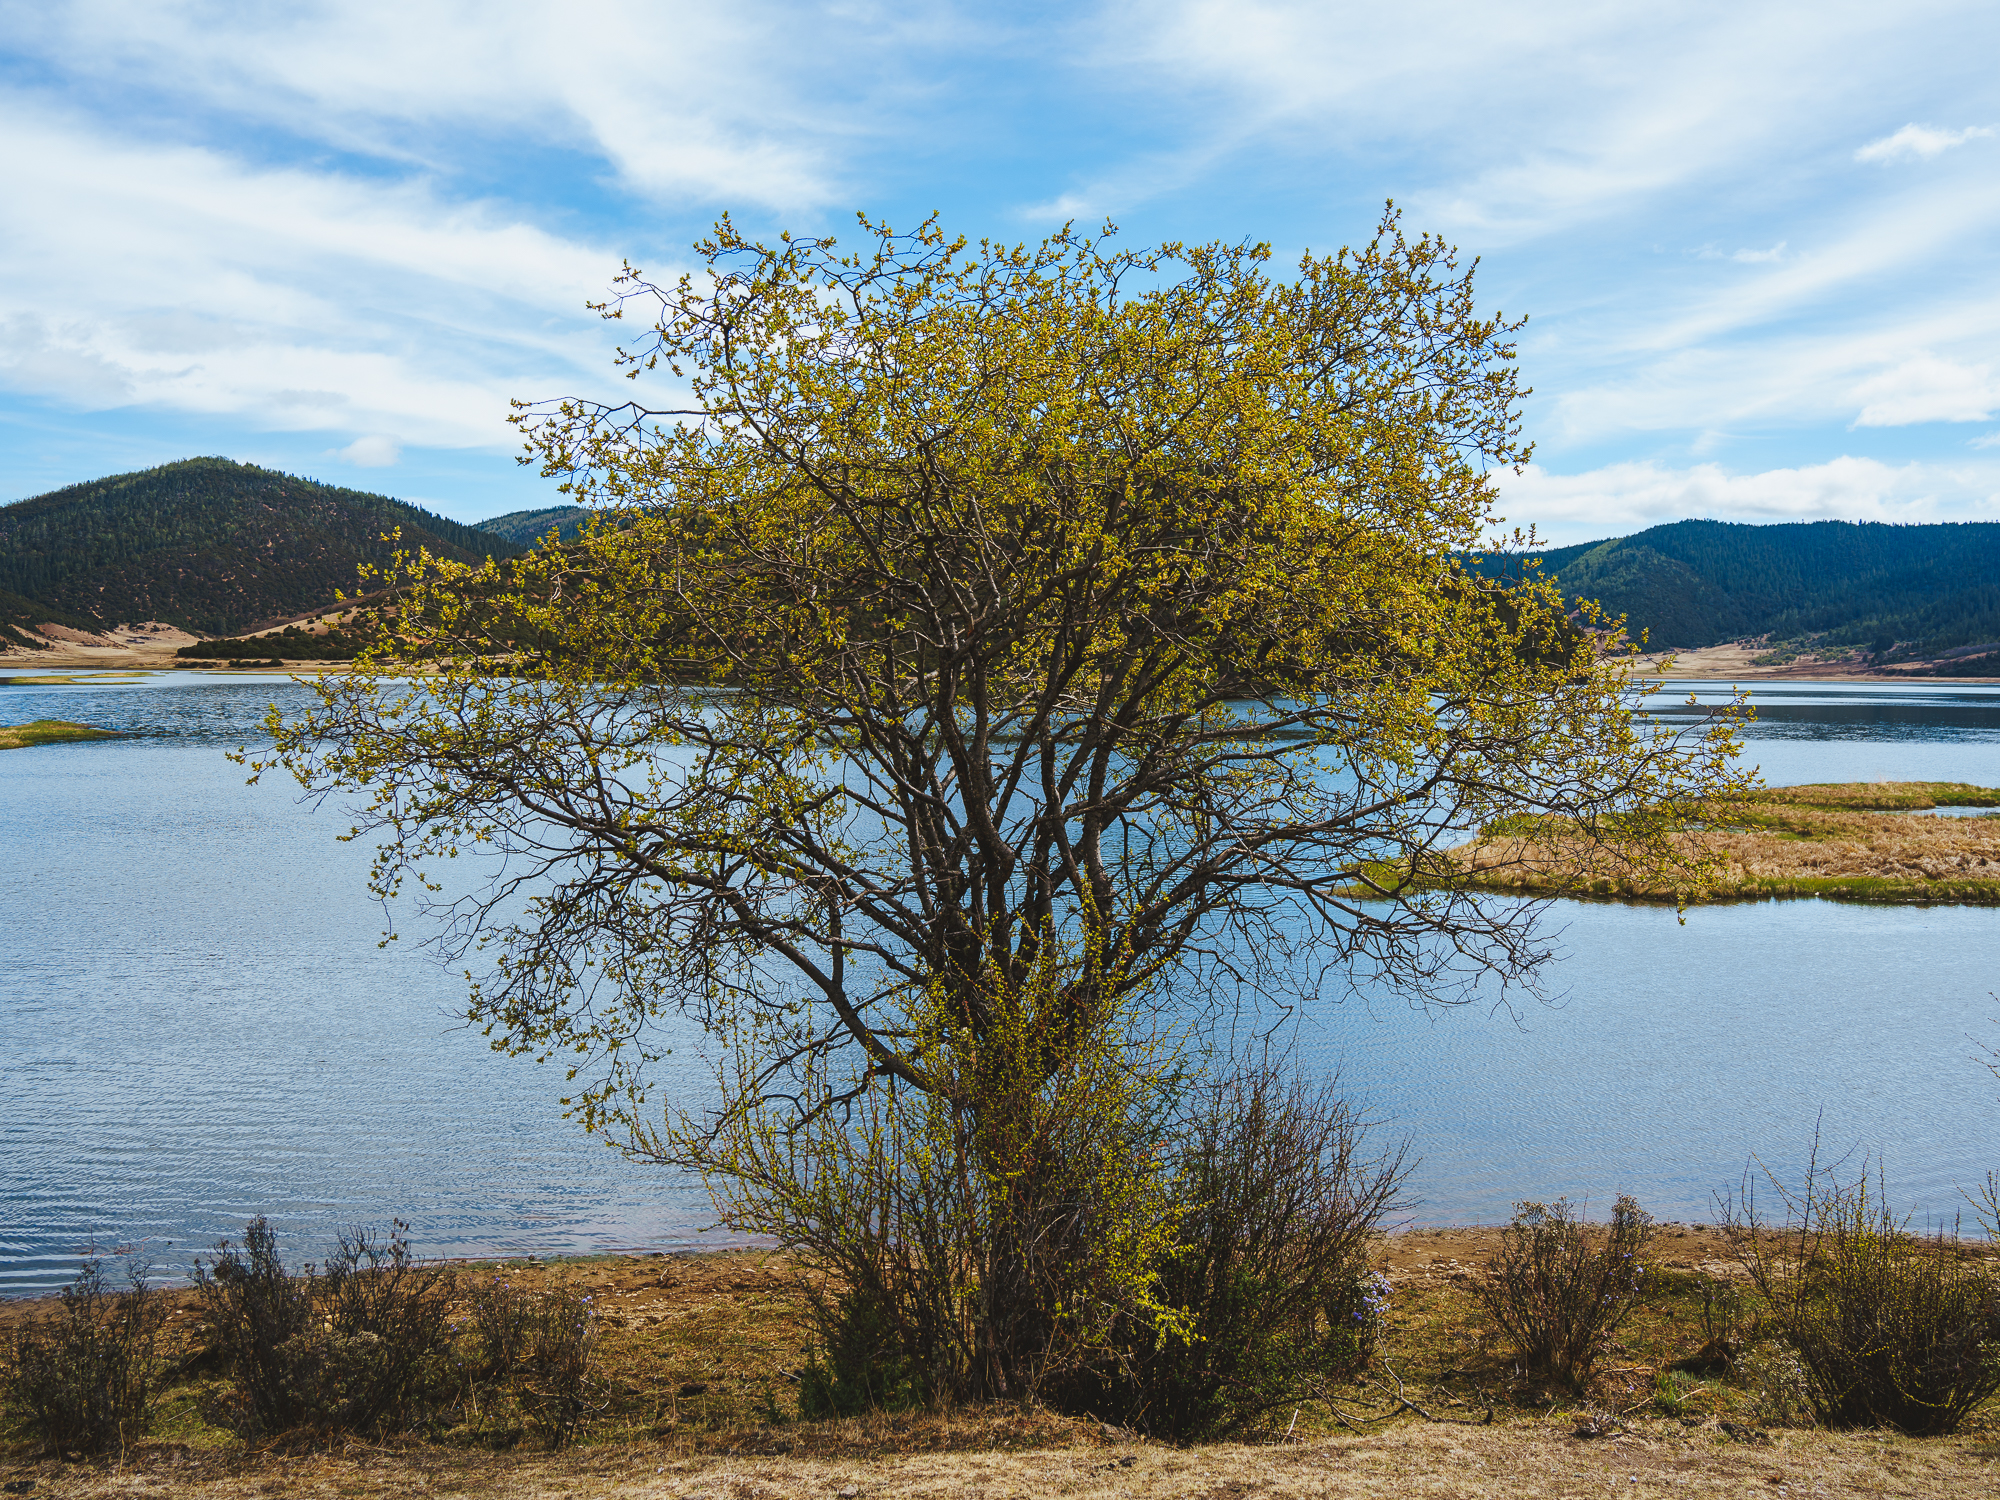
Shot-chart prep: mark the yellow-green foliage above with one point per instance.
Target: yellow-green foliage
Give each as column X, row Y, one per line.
column 994, row 1229
column 972, row 604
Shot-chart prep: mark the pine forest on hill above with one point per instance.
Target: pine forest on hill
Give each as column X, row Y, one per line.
column 526, row 528
column 220, row 548
column 1899, row 593
column 212, row 546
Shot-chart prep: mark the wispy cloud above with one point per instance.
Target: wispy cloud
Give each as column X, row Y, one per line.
column 746, row 103
column 1925, row 388
column 1760, row 257
column 1919, row 141
column 1744, row 257
column 301, row 300
column 381, row 217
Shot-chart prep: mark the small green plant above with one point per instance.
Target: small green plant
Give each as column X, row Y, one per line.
column 1891, row 1329
column 86, row 1377
column 1558, row 1290
column 1673, row 1390
column 1725, row 1325
column 362, row 1346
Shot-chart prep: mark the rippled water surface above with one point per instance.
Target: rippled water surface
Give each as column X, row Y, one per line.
column 197, row 1024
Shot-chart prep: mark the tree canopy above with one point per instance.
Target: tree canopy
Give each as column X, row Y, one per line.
column 994, row 638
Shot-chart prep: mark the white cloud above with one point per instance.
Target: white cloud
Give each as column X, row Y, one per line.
column 1744, row 257
column 1760, row 257
column 1063, row 208
column 1506, row 125
column 178, row 277
column 1622, row 498
column 377, row 451
column 1925, row 388
column 1919, row 141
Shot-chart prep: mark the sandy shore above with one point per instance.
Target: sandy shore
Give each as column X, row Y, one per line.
column 1733, row 663
column 150, row 647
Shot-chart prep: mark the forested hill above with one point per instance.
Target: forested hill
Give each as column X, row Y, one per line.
column 1901, row 591
column 210, row 545
column 525, row 528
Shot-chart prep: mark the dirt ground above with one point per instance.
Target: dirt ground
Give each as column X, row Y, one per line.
column 1414, row 1459
column 1733, row 662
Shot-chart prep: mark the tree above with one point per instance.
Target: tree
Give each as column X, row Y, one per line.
column 991, row 650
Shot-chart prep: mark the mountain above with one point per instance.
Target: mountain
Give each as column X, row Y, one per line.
column 1904, row 592
column 213, row 546
column 524, row 528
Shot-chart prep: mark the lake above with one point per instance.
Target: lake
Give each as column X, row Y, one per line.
column 197, row 1023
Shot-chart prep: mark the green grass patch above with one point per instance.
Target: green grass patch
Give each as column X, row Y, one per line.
column 50, row 732
column 58, row 680
column 1878, row 796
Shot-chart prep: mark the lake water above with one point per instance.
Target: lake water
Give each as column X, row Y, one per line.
column 197, row 1024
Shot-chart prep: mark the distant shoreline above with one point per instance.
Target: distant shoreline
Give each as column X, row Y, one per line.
column 1732, row 663
column 1711, row 664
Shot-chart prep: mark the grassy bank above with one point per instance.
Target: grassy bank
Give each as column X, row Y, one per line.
column 1874, row 842
column 49, row 732
column 696, row 1382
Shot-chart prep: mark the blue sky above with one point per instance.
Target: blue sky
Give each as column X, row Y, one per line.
column 1759, row 244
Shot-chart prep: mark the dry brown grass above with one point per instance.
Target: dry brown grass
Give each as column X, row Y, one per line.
column 1529, row 1458
column 1842, row 842
column 695, row 1398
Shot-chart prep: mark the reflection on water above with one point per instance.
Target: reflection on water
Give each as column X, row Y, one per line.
column 199, row 1025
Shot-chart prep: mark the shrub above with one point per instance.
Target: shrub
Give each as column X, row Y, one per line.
column 1780, row 1390
column 553, row 1378
column 86, row 1377
column 983, row 1240
column 1270, row 1283
column 1890, row 1328
column 541, row 1347
column 503, row 1319
column 1557, row 1295
column 860, row 1361
column 362, row 1346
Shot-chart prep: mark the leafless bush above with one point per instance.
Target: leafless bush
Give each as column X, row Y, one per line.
column 362, row 1346
column 1281, row 1187
column 85, row 1377
column 1558, row 1295
column 1890, row 1328
column 503, row 1318
column 553, row 1378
